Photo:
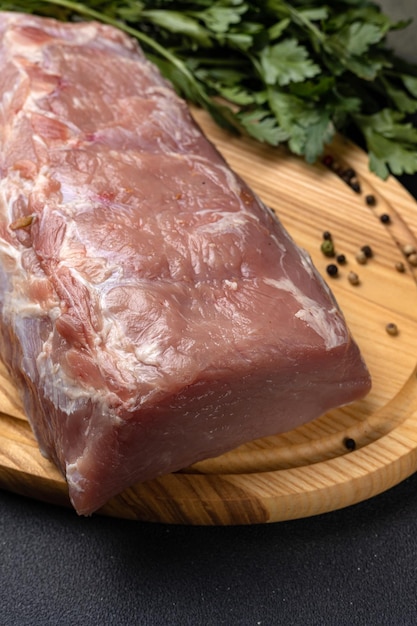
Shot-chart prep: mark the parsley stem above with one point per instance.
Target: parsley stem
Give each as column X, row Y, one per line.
column 303, row 21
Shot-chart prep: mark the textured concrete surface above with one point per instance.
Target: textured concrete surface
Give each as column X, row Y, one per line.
column 403, row 41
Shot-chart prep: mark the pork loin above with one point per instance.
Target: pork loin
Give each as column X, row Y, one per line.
column 154, row 311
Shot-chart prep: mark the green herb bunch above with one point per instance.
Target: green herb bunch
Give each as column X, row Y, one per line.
column 292, row 72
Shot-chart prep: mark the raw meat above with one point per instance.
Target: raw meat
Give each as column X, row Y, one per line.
column 154, row 311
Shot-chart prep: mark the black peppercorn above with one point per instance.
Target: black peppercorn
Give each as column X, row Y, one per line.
column 354, row 184
column 328, row 160
column 332, row 270
column 341, row 259
column 385, row 218
column 348, row 174
column 350, row 444
column 367, row 250
column 327, row 235
column 370, row 200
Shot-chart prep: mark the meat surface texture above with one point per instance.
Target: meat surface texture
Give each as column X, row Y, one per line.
column 154, row 311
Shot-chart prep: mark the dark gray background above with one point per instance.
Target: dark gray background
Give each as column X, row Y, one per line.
column 403, row 41
column 357, row 566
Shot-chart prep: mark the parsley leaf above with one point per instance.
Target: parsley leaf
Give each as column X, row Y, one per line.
column 262, row 127
column 391, row 143
column 287, row 62
column 281, row 71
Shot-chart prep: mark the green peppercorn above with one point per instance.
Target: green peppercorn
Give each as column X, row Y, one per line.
column 327, row 248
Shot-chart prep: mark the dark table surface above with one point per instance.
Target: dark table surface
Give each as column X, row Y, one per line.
column 353, row 566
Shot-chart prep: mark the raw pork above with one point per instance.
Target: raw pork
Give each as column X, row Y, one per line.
column 154, row 311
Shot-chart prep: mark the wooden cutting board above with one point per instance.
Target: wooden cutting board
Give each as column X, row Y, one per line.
column 347, row 455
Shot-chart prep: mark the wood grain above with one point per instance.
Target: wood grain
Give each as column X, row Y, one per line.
column 309, row 470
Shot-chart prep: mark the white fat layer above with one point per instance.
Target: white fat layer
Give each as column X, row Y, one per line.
column 327, row 323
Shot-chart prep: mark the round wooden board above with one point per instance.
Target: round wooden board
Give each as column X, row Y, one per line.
column 312, row 469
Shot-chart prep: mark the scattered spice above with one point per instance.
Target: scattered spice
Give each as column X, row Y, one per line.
column 327, row 235
column 368, row 252
column 361, row 257
column 354, row 184
column 21, row 222
column 353, row 278
column 409, row 249
column 327, row 248
column 370, row 200
column 392, row 329
column 328, row 160
column 332, row 270
column 400, row 267
column 385, row 218
column 412, row 259
column 349, row 443
column 348, row 174
column 341, row 259
column 337, row 168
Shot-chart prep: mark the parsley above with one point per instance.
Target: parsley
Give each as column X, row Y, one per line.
column 292, row 72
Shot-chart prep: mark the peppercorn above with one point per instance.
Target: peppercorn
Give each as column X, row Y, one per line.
column 385, row 218
column 349, row 443
column 392, row 329
column 367, row 250
column 361, row 257
column 400, row 267
column 409, row 249
column 412, row 259
column 332, row 270
column 327, row 235
column 328, row 160
column 354, row 184
column 335, row 165
column 341, row 259
column 348, row 174
column 327, row 248
column 353, row 278
column 370, row 200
